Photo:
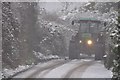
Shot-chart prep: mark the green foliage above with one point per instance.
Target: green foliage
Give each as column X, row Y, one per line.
column 19, row 35
column 116, row 50
column 23, row 35
column 10, row 31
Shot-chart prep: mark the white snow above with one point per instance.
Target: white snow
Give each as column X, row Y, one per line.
column 9, row 72
column 116, row 45
column 97, row 71
column 105, row 56
column 62, row 70
column 21, row 67
column 35, row 68
column 87, row 4
column 86, row 59
column 63, row 17
column 0, row 75
column 42, row 56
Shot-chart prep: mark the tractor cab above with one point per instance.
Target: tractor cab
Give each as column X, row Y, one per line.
column 88, row 40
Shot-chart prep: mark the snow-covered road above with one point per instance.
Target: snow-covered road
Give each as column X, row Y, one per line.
column 68, row 69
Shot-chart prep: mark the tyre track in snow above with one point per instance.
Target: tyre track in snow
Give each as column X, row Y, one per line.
column 67, row 70
column 44, row 72
column 49, row 68
column 78, row 71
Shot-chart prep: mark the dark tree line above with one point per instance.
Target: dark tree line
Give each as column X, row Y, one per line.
column 116, row 49
column 10, row 31
column 22, row 35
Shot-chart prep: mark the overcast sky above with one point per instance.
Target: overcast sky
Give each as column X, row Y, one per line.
column 57, row 6
column 52, row 6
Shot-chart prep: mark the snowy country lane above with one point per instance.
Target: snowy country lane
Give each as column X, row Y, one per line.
column 84, row 68
column 37, row 69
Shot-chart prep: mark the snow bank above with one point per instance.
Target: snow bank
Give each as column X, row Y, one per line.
column 10, row 72
column 45, row 57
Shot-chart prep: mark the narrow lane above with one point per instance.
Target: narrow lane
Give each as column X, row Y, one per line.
column 46, row 69
column 79, row 70
column 36, row 70
column 67, row 69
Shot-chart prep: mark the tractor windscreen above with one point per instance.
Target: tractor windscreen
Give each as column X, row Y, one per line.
column 84, row 27
column 93, row 27
column 89, row 27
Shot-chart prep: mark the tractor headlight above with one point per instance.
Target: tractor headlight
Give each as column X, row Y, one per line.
column 80, row 41
column 89, row 42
